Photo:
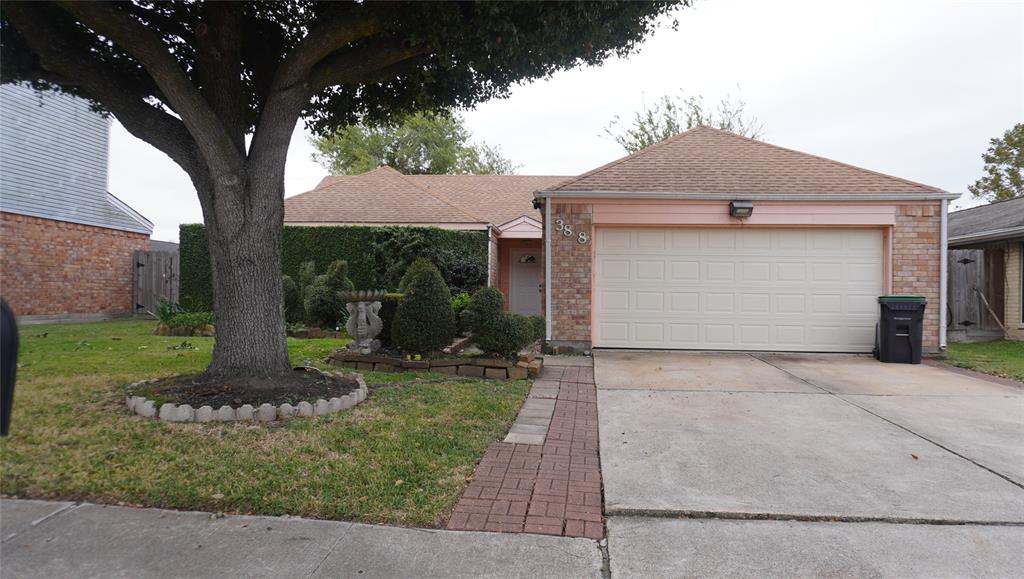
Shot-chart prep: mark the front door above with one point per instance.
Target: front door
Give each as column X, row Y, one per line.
column 524, row 281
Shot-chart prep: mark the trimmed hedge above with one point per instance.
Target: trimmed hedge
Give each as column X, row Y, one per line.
column 375, row 256
column 496, row 331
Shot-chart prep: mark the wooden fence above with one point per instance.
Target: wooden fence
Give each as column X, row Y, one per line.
column 156, row 279
column 976, row 290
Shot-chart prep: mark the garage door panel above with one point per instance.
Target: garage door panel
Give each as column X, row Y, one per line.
column 811, row 290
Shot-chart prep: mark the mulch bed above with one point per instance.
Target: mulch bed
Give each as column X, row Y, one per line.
column 294, row 387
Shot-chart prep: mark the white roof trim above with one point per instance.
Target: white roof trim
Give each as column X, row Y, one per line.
column 991, row 235
column 522, row 227
column 127, row 210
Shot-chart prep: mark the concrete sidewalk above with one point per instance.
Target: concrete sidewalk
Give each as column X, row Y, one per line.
column 58, row 539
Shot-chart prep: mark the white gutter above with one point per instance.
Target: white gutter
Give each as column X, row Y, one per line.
column 943, row 273
column 658, row 195
column 991, row 235
column 547, row 268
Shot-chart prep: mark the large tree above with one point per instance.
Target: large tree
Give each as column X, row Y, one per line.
column 195, row 79
column 1004, row 168
column 421, row 143
column 673, row 114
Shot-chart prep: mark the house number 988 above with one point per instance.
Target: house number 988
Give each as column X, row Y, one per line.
column 566, row 229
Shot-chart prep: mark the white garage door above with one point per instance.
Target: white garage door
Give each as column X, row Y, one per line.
column 802, row 290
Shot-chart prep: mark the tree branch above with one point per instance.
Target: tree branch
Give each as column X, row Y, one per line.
column 72, row 65
column 151, row 52
column 219, row 66
column 360, row 64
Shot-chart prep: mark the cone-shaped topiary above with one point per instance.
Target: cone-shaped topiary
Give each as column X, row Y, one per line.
column 424, row 321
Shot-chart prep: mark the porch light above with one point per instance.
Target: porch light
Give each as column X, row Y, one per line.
column 741, row 209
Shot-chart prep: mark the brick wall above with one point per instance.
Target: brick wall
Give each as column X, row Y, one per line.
column 54, row 267
column 916, row 261
column 570, row 275
column 1014, row 326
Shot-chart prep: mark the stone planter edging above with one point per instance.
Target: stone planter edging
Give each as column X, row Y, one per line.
column 481, row 367
column 263, row 413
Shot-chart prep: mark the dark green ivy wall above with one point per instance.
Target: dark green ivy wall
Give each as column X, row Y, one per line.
column 323, row 245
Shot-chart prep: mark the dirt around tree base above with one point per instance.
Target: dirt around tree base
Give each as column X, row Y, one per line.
column 297, row 386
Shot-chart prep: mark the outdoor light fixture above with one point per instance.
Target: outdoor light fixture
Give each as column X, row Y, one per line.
column 741, row 209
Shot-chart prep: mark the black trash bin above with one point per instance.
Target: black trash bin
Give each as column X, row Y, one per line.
column 898, row 338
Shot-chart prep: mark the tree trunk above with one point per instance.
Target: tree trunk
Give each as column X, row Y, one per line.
column 244, row 239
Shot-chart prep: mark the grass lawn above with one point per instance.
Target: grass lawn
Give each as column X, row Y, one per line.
column 401, row 457
column 1001, row 358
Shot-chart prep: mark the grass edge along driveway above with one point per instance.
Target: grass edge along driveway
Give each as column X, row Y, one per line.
column 402, row 457
column 1003, row 358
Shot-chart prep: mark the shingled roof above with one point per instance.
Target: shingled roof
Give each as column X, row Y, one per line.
column 706, row 160
column 997, row 220
column 386, row 196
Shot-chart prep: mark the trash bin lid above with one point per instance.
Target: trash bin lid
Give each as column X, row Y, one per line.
column 902, row 298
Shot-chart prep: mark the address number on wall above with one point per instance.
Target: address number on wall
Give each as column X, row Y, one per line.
column 565, row 229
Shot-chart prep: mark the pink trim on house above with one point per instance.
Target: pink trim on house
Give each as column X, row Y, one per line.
column 521, row 228
column 716, row 213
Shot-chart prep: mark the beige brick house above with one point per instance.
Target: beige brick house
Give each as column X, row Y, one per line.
column 654, row 250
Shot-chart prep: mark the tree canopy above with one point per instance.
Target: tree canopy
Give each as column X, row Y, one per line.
column 673, row 114
column 220, row 86
column 422, row 143
column 1004, row 167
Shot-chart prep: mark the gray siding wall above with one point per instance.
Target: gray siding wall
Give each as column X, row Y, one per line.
column 53, row 159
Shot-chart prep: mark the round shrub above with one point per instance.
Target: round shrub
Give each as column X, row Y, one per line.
column 322, row 305
column 506, row 336
column 539, row 326
column 485, row 309
column 424, row 321
column 388, row 307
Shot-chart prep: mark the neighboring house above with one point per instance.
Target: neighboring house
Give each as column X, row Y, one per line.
column 986, row 264
column 499, row 204
column 67, row 242
column 645, row 253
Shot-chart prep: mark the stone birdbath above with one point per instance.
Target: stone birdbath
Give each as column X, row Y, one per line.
column 363, row 322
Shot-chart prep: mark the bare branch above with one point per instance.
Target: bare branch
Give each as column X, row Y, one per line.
column 151, row 52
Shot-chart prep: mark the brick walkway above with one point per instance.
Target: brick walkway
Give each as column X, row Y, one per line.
column 554, row 488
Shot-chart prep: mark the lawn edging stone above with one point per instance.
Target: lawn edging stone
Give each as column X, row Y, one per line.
column 527, row 365
column 168, row 412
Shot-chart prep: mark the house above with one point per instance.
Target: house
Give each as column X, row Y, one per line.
column 501, row 205
column 654, row 250
column 67, row 242
column 986, row 262
column 709, row 240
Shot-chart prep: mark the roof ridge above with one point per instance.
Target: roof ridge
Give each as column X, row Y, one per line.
column 434, row 195
column 634, row 155
column 833, row 161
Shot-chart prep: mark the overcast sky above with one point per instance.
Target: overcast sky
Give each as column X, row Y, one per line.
column 910, row 88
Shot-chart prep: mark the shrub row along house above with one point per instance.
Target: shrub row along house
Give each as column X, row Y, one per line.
column 707, row 240
column 67, row 242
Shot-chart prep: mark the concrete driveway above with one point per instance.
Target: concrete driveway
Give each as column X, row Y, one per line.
column 827, row 449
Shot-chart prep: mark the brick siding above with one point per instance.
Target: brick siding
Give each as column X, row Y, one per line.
column 54, row 267
column 916, row 261
column 571, row 277
column 1011, row 312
